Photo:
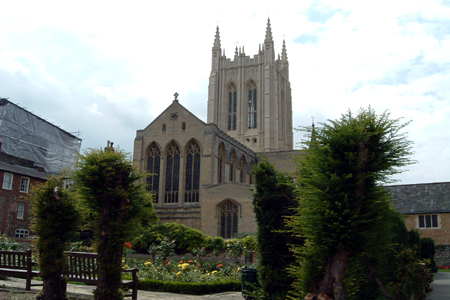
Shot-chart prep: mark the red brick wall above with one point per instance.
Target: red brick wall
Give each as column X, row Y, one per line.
column 9, row 203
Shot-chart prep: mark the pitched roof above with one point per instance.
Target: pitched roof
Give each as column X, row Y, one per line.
column 421, row 198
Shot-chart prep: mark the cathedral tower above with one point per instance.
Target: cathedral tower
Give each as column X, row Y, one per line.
column 250, row 98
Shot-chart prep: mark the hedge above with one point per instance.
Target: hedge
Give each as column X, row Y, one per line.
column 190, row 288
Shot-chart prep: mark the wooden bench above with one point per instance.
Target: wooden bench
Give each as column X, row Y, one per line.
column 83, row 267
column 18, row 264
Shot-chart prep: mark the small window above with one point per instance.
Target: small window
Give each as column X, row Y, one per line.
column 20, row 211
column 21, row 233
column 7, row 181
column 183, row 126
column 428, row 221
column 67, row 183
column 24, row 184
column 164, row 128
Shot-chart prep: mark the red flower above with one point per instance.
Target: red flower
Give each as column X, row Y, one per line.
column 168, row 264
column 128, row 245
column 220, row 266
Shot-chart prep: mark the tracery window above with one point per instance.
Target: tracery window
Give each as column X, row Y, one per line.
column 192, row 186
column 228, row 219
column 243, row 169
column 153, row 168
column 232, row 107
column 233, row 166
column 172, row 173
column 252, row 105
column 221, row 164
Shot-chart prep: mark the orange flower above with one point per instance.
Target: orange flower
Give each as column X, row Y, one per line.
column 220, row 266
column 128, row 245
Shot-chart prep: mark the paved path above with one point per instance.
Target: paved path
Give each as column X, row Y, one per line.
column 85, row 291
column 441, row 285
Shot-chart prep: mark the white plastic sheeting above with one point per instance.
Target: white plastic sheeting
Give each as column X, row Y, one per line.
column 27, row 136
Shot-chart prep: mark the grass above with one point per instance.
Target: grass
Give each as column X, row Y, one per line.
column 444, row 270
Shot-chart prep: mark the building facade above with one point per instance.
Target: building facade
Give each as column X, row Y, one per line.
column 201, row 173
column 31, row 149
column 426, row 207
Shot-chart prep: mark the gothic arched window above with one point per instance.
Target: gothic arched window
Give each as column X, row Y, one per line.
column 252, row 105
column 153, row 168
column 232, row 165
column 221, row 164
column 192, row 186
column 243, row 169
column 228, row 219
column 232, row 107
column 172, row 173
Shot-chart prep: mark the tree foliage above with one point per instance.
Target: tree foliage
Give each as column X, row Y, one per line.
column 273, row 201
column 55, row 222
column 342, row 208
column 117, row 205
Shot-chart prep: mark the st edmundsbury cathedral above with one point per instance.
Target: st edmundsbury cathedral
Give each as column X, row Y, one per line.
column 202, row 172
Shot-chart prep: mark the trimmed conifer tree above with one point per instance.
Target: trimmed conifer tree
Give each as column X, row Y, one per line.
column 55, row 222
column 273, row 201
column 341, row 203
column 116, row 203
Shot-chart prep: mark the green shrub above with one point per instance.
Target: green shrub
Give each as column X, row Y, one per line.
column 190, row 288
column 9, row 244
column 214, row 244
column 250, row 243
column 428, row 250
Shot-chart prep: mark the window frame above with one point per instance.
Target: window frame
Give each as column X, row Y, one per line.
column 10, row 183
column 24, row 188
column 428, row 221
column 21, row 211
column 22, row 233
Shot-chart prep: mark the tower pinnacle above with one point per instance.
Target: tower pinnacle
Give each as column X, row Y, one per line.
column 268, row 33
column 283, row 52
column 217, row 39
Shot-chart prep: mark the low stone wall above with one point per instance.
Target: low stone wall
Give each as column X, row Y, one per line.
column 442, row 256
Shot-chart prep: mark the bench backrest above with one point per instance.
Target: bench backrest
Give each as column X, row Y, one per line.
column 15, row 259
column 82, row 266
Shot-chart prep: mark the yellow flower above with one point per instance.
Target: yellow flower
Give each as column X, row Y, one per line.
column 125, row 267
column 178, row 274
column 179, row 266
column 147, row 264
column 214, row 272
column 184, row 266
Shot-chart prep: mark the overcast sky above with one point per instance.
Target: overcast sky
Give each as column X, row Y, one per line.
column 108, row 68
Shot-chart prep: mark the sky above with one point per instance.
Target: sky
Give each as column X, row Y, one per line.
column 104, row 69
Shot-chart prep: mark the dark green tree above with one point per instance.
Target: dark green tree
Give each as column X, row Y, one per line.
column 341, row 204
column 117, row 204
column 55, row 222
column 273, row 201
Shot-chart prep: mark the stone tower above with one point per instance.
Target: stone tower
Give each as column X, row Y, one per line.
column 250, row 98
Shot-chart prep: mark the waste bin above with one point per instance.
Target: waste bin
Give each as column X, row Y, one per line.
column 249, row 281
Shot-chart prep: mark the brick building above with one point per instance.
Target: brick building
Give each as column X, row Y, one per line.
column 30, row 150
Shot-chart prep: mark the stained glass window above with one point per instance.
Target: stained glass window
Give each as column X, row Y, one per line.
column 252, row 105
column 153, row 168
column 192, row 185
column 228, row 219
column 232, row 107
column 172, row 173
